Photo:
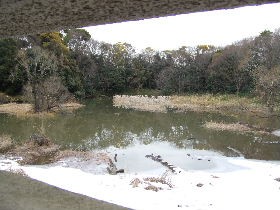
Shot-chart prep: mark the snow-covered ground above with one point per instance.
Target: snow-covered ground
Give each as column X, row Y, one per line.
column 230, row 183
column 276, row 133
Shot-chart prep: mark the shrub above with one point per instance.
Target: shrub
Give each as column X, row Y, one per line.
column 6, row 143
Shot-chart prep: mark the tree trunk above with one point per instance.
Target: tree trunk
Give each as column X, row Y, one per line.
column 34, row 87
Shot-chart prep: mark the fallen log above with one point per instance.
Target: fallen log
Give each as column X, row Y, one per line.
column 159, row 159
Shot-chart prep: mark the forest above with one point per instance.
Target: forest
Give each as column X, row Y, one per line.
column 50, row 68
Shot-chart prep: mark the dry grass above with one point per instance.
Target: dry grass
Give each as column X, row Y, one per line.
column 41, row 150
column 161, row 180
column 199, row 103
column 33, row 154
column 16, row 109
column 26, row 110
column 217, row 103
column 135, row 182
column 151, row 182
column 98, row 157
column 142, row 103
column 153, row 188
column 69, row 107
column 233, row 127
column 227, row 127
column 6, row 143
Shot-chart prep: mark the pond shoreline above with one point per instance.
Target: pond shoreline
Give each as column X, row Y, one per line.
column 26, row 110
column 238, row 127
column 40, row 150
column 201, row 179
column 225, row 104
column 20, row 193
column 236, row 178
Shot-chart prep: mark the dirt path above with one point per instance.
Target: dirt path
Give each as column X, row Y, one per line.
column 21, row 193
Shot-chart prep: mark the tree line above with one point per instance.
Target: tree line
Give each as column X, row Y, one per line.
column 52, row 67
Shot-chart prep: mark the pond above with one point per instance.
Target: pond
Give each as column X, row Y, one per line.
column 100, row 126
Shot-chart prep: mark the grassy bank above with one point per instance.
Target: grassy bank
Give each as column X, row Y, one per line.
column 225, row 103
column 39, row 149
column 6, row 143
column 198, row 103
column 142, row 103
column 235, row 127
column 25, row 109
column 19, row 106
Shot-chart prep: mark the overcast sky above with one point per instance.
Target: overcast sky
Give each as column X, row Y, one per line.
column 217, row 28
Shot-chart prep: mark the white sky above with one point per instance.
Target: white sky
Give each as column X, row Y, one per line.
column 219, row 28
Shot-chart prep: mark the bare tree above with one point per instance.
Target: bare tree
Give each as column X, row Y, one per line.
column 268, row 85
column 44, row 87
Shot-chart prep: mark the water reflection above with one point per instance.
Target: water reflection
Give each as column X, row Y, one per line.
column 99, row 126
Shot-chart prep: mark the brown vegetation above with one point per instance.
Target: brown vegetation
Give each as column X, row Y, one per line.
column 227, row 127
column 234, row 127
column 39, row 149
column 161, row 180
column 67, row 107
column 84, row 155
column 27, row 109
column 6, row 144
column 216, row 103
column 135, row 182
column 153, row 188
column 268, row 85
column 142, row 103
column 198, row 103
column 16, row 109
column 149, row 182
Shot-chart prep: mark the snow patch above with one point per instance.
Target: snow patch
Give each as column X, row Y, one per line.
column 276, row 133
column 235, row 183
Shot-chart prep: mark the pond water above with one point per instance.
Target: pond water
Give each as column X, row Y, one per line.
column 100, row 126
